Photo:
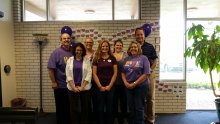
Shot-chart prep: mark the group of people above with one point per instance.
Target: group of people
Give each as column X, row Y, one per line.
column 97, row 86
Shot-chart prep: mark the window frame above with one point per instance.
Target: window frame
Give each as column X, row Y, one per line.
column 48, row 13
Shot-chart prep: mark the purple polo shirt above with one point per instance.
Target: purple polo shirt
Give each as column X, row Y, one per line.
column 57, row 61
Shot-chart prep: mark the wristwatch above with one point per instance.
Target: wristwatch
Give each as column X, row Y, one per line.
column 134, row 83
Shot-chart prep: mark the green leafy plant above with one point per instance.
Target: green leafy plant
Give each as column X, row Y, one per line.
column 205, row 49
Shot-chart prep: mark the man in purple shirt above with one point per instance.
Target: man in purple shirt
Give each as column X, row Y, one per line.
column 56, row 68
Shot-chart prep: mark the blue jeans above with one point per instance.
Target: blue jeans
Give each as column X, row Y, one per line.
column 136, row 102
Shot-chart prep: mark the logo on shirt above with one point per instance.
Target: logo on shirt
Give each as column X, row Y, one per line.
column 133, row 63
column 65, row 58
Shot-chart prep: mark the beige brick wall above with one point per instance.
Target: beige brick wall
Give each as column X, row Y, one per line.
column 27, row 53
column 170, row 97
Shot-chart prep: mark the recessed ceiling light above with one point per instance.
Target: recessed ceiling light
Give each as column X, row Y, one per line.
column 89, row 11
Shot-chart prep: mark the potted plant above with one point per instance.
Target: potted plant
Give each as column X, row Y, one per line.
column 206, row 51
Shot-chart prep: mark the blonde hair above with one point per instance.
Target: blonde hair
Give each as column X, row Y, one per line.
column 138, row 45
column 98, row 53
column 89, row 39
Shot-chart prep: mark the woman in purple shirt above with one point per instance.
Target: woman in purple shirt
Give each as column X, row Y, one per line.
column 78, row 76
column 104, row 74
column 135, row 72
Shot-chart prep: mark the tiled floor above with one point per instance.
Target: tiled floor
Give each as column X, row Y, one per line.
column 200, row 99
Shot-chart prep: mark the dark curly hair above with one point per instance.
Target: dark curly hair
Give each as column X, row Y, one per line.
column 81, row 46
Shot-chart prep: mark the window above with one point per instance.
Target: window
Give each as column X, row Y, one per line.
column 126, row 9
column 77, row 10
column 198, row 83
column 203, row 9
column 172, row 40
column 35, row 10
column 172, row 33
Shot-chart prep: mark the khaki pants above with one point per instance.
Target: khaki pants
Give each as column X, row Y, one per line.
column 149, row 111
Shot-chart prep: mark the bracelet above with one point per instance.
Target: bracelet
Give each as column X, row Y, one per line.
column 134, row 83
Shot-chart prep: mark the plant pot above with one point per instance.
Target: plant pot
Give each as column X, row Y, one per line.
column 217, row 105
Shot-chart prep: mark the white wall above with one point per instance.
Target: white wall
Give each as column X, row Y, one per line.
column 7, row 52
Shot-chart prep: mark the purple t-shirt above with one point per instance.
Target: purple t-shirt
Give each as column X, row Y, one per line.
column 105, row 69
column 77, row 72
column 57, row 62
column 134, row 67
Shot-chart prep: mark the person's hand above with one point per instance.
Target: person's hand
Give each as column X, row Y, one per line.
column 126, row 85
column 54, row 85
column 80, row 88
column 102, row 89
column 76, row 89
column 131, row 85
column 107, row 88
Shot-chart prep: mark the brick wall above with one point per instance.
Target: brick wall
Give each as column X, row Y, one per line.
column 170, row 97
column 27, row 53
